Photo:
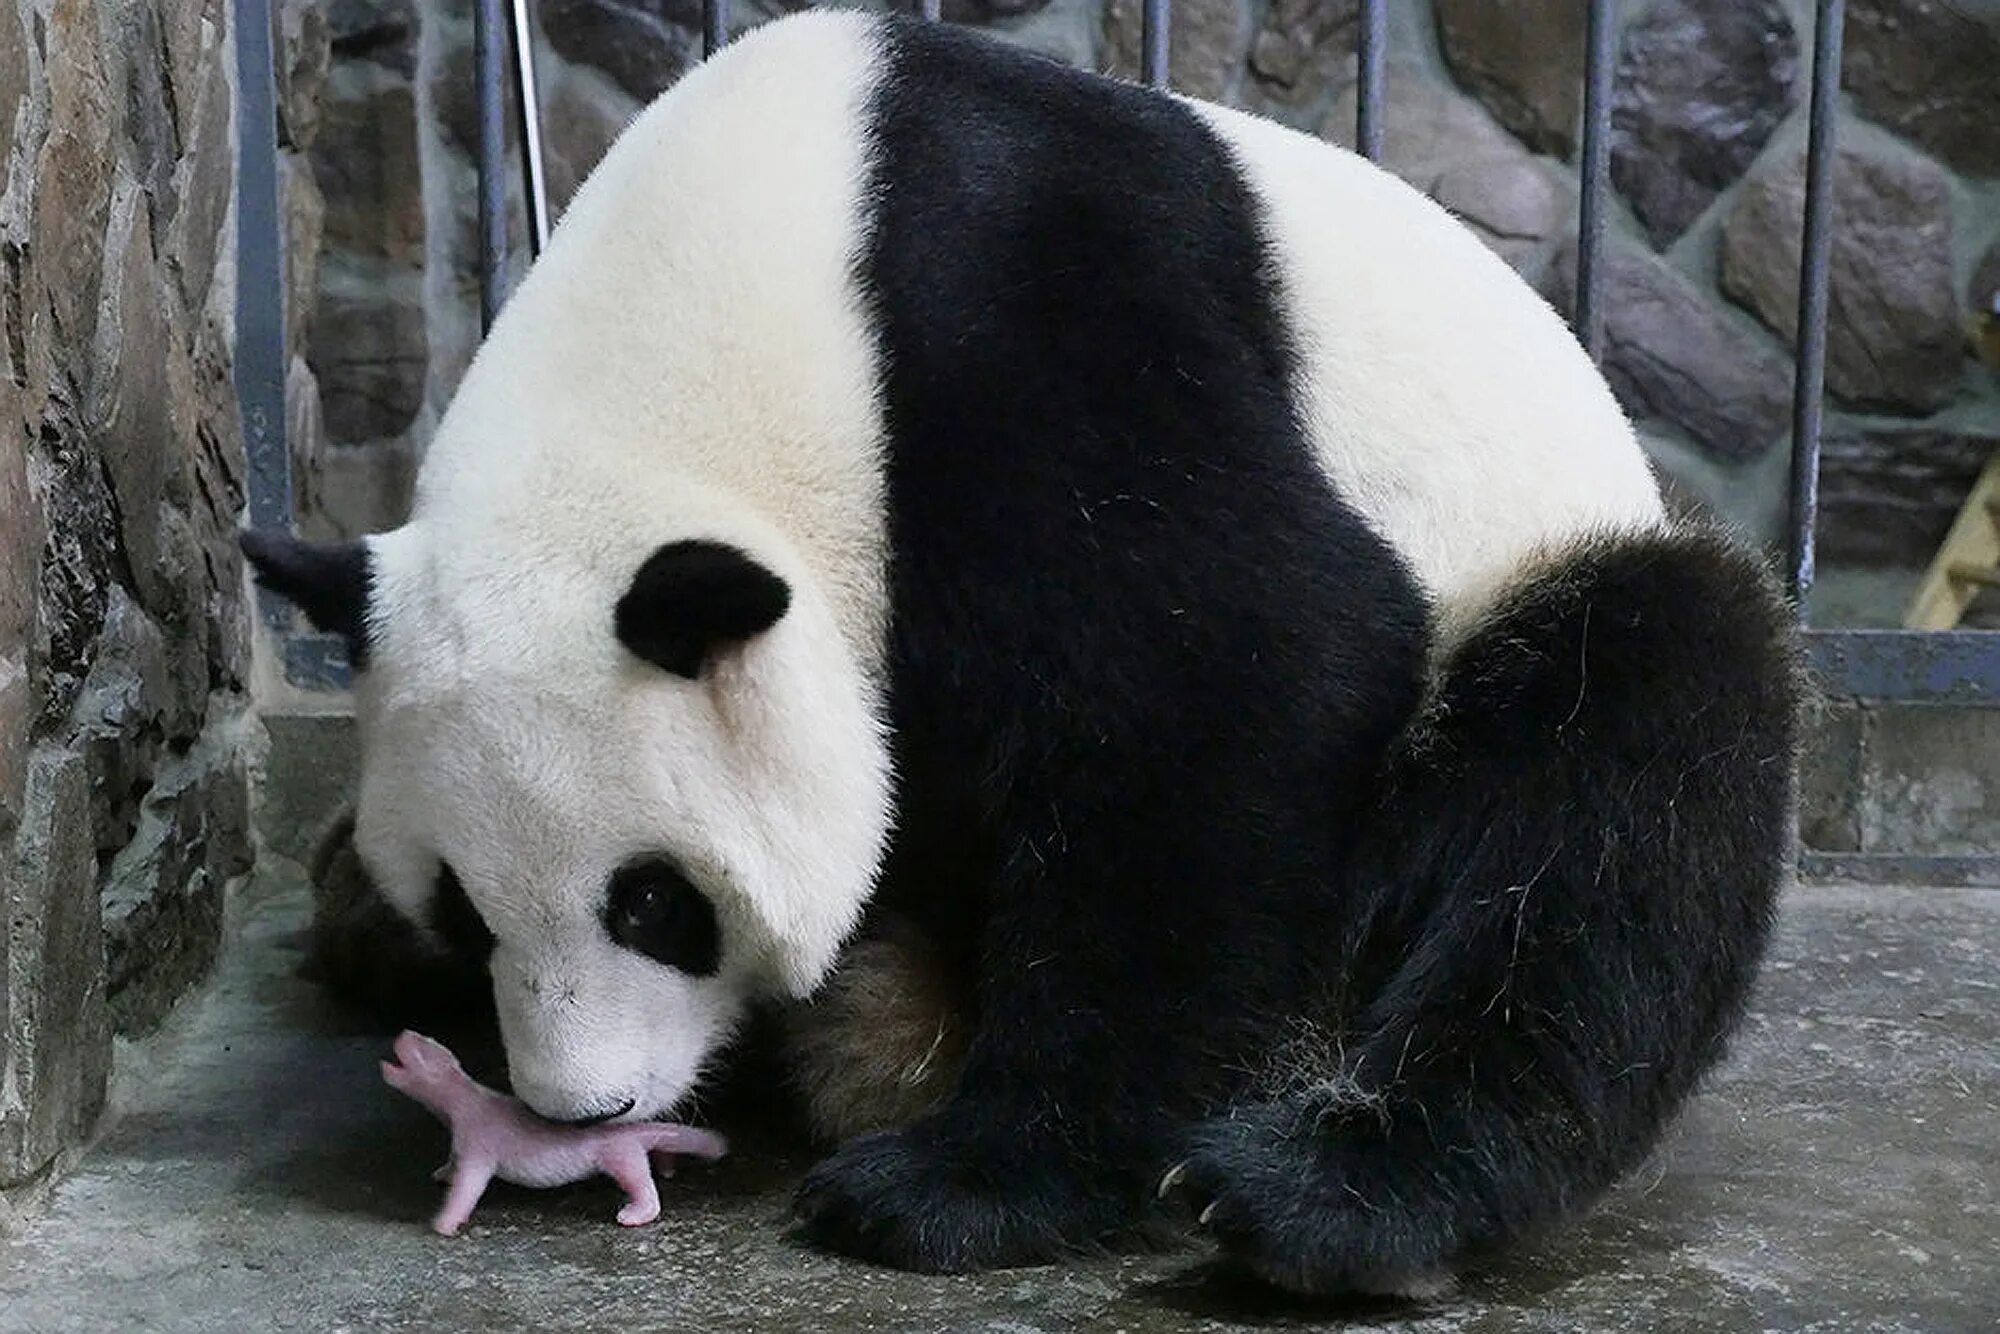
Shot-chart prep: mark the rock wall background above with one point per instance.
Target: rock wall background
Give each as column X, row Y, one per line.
column 123, row 639
column 1484, row 100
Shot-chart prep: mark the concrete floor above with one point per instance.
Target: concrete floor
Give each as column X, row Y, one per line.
column 1842, row 1174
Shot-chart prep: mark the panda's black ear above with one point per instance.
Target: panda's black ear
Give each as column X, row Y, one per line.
column 329, row 583
column 693, row 597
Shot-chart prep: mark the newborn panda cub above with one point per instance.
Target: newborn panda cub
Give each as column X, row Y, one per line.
column 1009, row 568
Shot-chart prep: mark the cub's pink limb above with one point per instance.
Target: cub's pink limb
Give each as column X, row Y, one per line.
column 493, row 1135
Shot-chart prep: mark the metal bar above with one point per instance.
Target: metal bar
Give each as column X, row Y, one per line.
column 1809, row 373
column 488, row 31
column 528, row 110
column 1601, row 27
column 1906, row 666
column 714, row 26
column 930, row 10
column 1368, row 95
column 260, row 288
column 1153, row 41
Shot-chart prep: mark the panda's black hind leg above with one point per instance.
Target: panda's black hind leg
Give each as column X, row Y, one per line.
column 1561, row 904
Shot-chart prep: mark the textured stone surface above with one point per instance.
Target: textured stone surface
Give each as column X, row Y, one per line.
column 304, row 207
column 585, row 113
column 205, row 178
column 1304, row 48
column 365, row 161
column 1834, row 1175
column 127, row 407
column 381, row 31
column 1513, row 203
column 52, row 1073
column 163, row 891
column 1887, row 497
column 1893, row 339
column 314, row 760
column 1830, row 777
column 1210, row 39
column 14, row 80
column 1445, row 145
column 643, row 44
column 1523, row 59
column 122, row 636
column 981, row 11
column 1931, row 782
column 1930, row 69
column 370, row 348
column 130, row 708
column 72, row 173
column 20, row 552
column 304, row 56
column 1671, row 354
column 1701, row 86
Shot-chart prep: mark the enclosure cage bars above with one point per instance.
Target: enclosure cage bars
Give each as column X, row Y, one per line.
column 1874, row 666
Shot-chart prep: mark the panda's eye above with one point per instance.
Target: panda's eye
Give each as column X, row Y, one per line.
column 652, row 908
column 456, row 921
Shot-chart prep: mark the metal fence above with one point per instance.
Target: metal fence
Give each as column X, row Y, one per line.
column 1884, row 666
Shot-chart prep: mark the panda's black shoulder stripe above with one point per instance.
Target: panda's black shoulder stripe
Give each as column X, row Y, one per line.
column 1035, row 227
column 1079, row 330
column 1103, row 509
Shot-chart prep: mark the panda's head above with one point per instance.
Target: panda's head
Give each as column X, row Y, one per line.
column 629, row 771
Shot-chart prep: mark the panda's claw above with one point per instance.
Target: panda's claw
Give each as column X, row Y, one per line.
column 1208, row 1212
column 1174, row 1176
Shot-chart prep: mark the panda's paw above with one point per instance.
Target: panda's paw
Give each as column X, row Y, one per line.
column 928, row 1201
column 1296, row 1211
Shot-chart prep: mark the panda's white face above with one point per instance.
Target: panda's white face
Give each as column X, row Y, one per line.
column 644, row 849
column 509, row 817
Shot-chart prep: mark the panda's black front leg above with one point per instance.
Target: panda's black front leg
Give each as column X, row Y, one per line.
column 1116, row 1002
column 954, row 1193
column 1029, row 1159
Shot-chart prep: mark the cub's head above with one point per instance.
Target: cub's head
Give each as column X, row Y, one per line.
column 642, row 779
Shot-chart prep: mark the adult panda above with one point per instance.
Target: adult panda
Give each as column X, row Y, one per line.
column 1162, row 562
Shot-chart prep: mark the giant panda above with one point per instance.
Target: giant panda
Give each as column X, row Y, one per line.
column 1129, row 619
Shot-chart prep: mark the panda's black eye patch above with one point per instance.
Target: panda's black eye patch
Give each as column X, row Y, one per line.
column 454, row 918
column 655, row 910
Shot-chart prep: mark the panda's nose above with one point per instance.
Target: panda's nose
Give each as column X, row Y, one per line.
column 598, row 1118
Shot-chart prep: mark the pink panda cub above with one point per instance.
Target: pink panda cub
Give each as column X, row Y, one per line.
column 493, row 1135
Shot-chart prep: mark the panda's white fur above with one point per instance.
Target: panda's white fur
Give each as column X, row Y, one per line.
column 1449, row 404
column 642, row 372
column 704, row 352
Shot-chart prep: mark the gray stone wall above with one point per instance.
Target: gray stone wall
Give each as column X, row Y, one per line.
column 123, row 639
column 1483, row 113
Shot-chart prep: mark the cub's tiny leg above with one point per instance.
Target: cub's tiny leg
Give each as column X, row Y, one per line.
column 466, row 1188
column 630, row 1167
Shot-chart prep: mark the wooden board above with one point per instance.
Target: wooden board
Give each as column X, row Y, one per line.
column 1973, row 544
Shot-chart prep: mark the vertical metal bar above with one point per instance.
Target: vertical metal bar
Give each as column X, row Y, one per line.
column 1809, row 373
column 1155, row 23
column 930, row 10
column 1368, row 96
column 1589, row 313
column 488, row 31
column 714, row 26
column 260, row 288
column 528, row 108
